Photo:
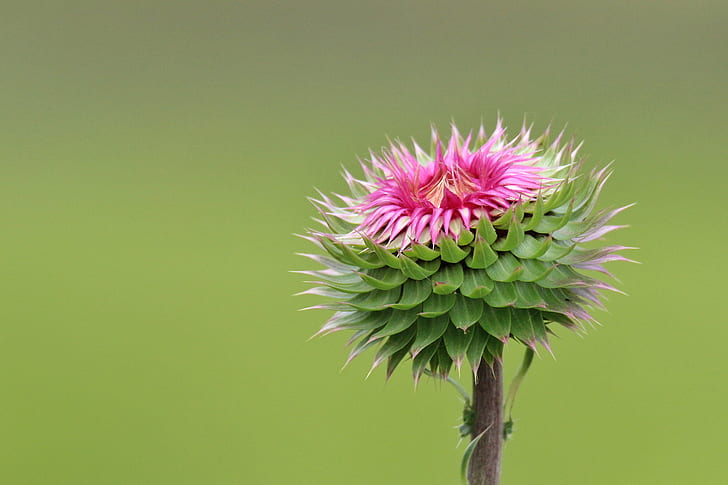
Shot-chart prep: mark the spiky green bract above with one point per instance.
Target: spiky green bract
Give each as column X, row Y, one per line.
column 510, row 275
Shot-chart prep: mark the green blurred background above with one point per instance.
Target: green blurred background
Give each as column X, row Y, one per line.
column 155, row 161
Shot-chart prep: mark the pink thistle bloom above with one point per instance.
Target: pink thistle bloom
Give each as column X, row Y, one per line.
column 420, row 198
column 489, row 233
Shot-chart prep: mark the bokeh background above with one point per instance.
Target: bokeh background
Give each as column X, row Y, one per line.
column 156, row 156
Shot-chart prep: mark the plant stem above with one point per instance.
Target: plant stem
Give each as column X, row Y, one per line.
column 485, row 463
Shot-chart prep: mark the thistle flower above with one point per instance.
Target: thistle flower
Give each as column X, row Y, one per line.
column 446, row 256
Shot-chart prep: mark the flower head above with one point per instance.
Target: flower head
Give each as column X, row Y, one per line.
column 446, row 256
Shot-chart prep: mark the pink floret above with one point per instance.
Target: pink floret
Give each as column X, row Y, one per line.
column 418, row 202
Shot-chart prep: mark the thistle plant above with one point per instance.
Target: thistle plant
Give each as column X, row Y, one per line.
column 444, row 256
